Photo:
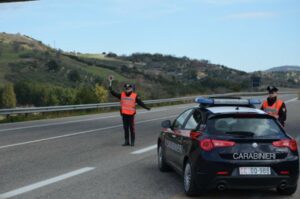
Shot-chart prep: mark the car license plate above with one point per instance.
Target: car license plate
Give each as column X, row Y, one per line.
column 255, row 170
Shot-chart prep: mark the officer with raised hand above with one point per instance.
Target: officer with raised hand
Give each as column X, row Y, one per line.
column 128, row 99
column 274, row 106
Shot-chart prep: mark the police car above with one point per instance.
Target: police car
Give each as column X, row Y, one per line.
column 228, row 144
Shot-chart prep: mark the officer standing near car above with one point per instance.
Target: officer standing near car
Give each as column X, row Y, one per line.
column 274, row 106
column 128, row 99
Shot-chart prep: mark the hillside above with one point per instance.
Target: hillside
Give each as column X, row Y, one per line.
column 23, row 58
column 41, row 75
column 39, row 72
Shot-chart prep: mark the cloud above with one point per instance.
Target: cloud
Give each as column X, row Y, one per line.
column 251, row 15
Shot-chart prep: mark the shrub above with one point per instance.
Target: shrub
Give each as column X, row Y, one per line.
column 101, row 93
column 8, row 96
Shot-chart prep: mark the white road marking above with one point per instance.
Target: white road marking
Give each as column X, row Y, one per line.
column 38, row 185
column 79, row 133
column 144, row 149
column 85, row 120
column 291, row 100
column 54, row 124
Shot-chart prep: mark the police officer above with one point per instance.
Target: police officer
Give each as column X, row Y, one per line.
column 128, row 100
column 274, row 106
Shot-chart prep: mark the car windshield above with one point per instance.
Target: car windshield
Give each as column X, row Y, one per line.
column 243, row 126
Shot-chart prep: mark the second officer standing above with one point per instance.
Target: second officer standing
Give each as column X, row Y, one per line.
column 274, row 106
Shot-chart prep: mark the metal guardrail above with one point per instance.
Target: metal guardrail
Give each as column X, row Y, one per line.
column 27, row 110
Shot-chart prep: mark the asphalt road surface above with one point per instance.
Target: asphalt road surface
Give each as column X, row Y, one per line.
column 82, row 157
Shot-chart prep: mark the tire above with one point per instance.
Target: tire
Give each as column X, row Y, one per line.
column 162, row 164
column 287, row 191
column 189, row 184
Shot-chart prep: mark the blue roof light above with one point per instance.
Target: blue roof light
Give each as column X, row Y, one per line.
column 202, row 100
column 254, row 101
column 210, row 101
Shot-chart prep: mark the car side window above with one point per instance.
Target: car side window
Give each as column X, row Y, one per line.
column 179, row 122
column 194, row 120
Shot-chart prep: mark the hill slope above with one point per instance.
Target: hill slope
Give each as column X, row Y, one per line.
column 26, row 61
column 284, row 69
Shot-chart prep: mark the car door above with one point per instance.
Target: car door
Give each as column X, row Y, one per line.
column 174, row 138
column 192, row 121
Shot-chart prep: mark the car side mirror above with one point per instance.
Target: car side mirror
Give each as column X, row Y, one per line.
column 166, row 124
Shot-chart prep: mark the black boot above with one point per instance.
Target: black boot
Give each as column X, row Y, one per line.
column 132, row 143
column 126, row 143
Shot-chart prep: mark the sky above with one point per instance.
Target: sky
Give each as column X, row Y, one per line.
column 248, row 35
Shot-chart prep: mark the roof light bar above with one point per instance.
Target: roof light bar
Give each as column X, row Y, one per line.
column 202, row 100
column 209, row 101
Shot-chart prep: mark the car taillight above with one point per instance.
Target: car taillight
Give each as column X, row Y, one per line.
column 291, row 144
column 209, row 144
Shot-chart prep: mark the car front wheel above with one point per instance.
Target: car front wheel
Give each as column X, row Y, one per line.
column 162, row 165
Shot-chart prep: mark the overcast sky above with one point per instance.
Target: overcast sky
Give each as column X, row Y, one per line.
column 243, row 34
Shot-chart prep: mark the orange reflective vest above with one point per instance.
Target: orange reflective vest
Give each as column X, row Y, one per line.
column 274, row 109
column 128, row 103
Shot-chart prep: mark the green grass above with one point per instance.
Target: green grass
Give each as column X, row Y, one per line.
column 8, row 56
column 104, row 73
column 102, row 57
column 110, row 61
column 94, row 70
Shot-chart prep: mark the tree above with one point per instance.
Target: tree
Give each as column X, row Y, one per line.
column 101, row 93
column 110, row 54
column 74, row 76
column 124, row 69
column 86, row 95
column 8, row 97
column 24, row 92
column 16, row 46
column 53, row 65
column 66, row 96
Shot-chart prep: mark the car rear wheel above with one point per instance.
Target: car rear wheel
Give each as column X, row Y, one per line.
column 162, row 165
column 189, row 180
column 287, row 191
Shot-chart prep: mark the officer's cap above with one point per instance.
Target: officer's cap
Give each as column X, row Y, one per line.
column 127, row 86
column 271, row 89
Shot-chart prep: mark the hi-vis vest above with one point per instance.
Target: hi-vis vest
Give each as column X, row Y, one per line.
column 128, row 103
column 274, row 109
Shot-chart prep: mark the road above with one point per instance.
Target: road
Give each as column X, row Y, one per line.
column 82, row 157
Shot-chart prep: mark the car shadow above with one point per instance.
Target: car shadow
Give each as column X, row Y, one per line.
column 229, row 194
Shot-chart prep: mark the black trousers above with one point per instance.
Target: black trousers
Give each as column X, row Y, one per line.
column 128, row 124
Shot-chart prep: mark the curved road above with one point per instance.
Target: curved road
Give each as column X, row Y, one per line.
column 82, row 157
